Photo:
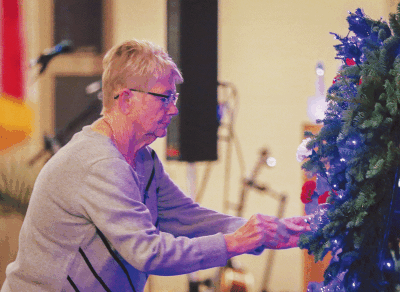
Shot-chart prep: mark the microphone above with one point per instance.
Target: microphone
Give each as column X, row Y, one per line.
column 63, row 47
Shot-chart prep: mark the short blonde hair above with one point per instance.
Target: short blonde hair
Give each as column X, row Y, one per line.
column 141, row 62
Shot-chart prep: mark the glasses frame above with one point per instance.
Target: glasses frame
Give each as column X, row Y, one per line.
column 166, row 99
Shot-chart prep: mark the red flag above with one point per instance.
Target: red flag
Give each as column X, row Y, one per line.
column 15, row 115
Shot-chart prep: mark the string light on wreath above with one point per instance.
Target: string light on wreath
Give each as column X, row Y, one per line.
column 355, row 157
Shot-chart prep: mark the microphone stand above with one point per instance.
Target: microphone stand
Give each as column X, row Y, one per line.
column 251, row 183
column 227, row 108
column 44, row 59
column 53, row 143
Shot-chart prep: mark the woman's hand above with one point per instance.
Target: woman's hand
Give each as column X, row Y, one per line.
column 263, row 231
column 295, row 226
column 259, row 230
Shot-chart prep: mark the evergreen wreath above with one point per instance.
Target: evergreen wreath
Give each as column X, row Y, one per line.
column 355, row 159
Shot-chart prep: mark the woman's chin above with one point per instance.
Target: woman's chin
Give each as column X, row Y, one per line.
column 161, row 133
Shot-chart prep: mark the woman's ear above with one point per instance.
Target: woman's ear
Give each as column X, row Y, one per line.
column 125, row 101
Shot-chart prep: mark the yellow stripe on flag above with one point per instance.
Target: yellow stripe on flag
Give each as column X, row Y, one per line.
column 15, row 121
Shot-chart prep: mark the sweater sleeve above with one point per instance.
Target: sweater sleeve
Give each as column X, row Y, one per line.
column 111, row 200
column 179, row 215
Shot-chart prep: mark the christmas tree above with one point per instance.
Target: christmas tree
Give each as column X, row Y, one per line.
column 355, row 159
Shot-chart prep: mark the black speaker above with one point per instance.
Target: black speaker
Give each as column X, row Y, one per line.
column 192, row 43
column 80, row 21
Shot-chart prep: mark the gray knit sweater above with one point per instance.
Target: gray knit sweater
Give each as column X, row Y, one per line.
column 92, row 226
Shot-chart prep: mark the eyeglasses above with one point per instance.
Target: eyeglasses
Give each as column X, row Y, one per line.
column 166, row 99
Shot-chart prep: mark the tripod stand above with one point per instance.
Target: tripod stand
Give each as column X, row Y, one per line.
column 228, row 106
column 247, row 185
column 53, row 143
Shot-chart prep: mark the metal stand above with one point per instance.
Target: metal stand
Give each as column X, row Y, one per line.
column 251, row 183
column 228, row 106
column 53, row 143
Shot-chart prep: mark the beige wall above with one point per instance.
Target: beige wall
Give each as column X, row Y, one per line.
column 269, row 50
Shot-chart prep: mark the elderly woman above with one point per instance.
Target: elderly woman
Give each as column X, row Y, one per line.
column 104, row 214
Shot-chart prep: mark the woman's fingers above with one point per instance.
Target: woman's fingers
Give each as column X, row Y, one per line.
column 266, row 231
column 297, row 224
